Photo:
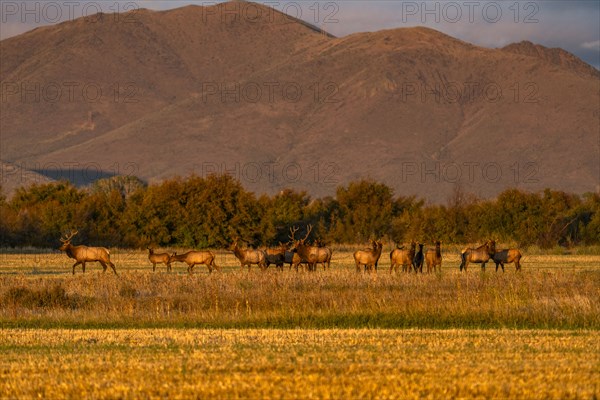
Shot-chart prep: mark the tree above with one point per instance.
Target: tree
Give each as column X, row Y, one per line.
column 280, row 212
column 365, row 211
column 44, row 211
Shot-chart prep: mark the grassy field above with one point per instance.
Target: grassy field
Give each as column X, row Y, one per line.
column 333, row 334
column 552, row 292
column 345, row 364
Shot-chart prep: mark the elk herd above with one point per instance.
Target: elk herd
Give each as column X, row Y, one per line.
column 299, row 252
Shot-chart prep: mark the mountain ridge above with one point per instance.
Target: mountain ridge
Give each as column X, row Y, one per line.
column 181, row 96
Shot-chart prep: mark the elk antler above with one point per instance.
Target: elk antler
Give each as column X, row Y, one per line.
column 309, row 227
column 293, row 233
column 69, row 236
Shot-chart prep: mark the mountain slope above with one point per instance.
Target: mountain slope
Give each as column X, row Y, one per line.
column 279, row 104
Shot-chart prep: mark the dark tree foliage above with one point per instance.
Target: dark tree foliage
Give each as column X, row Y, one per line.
column 364, row 211
column 211, row 212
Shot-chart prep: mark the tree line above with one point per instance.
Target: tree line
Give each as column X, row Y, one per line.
column 210, row 212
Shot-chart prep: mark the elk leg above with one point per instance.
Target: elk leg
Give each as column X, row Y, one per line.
column 83, row 266
column 153, row 267
column 168, row 267
column 113, row 267
column 74, row 265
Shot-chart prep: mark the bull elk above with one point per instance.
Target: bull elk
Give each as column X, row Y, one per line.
column 480, row 255
column 419, row 259
column 369, row 258
column 159, row 258
column 83, row 254
column 433, row 258
column 193, row 258
column 401, row 256
column 311, row 255
column 277, row 256
column 507, row 256
column 249, row 257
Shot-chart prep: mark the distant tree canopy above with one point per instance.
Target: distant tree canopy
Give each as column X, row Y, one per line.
column 211, row 212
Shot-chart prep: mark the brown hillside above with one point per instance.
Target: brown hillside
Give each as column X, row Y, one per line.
column 13, row 177
column 414, row 108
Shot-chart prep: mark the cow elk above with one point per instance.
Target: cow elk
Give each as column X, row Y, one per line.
column 480, row 255
column 433, row 258
column 294, row 260
column 311, row 255
column 159, row 258
column 193, row 258
column 507, row 256
column 83, row 254
column 249, row 257
column 419, row 259
column 277, row 256
column 401, row 256
column 369, row 258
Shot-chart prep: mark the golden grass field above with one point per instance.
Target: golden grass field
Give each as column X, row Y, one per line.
column 341, row 364
column 333, row 334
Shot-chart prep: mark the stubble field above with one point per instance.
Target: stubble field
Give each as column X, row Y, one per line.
column 339, row 334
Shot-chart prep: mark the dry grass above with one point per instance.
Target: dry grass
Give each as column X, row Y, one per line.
column 404, row 364
column 559, row 292
column 136, row 360
column 46, row 262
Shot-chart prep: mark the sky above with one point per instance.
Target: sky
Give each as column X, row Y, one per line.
column 571, row 25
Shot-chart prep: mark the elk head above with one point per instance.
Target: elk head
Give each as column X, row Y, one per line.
column 299, row 242
column 233, row 245
column 491, row 247
column 66, row 241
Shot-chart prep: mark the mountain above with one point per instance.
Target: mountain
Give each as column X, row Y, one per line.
column 14, row 177
column 278, row 103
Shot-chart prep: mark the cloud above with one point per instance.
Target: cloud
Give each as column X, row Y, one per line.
column 591, row 45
